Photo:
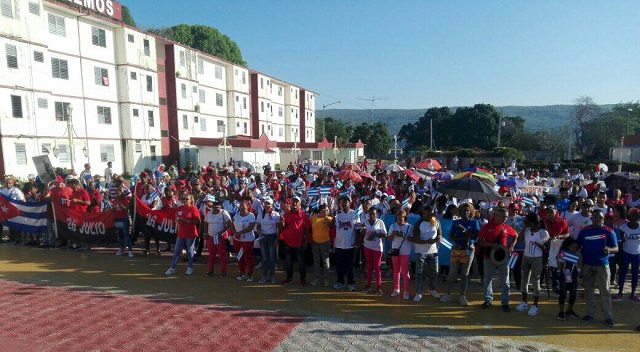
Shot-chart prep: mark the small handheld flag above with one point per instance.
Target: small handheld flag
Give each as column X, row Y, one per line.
column 568, row 257
column 445, row 242
column 513, row 260
column 240, row 253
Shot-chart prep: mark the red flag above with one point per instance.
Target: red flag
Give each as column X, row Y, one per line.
column 8, row 210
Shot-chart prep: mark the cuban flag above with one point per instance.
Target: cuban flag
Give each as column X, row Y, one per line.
column 412, row 187
column 568, row 257
column 315, row 204
column 345, row 193
column 339, row 184
column 513, row 260
column 528, row 201
column 445, row 242
column 264, row 188
column 22, row 216
column 227, row 182
column 252, row 184
column 277, row 205
column 239, row 255
column 359, row 211
column 155, row 194
column 405, row 202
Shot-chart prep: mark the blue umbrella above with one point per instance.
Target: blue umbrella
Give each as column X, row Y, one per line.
column 507, row 182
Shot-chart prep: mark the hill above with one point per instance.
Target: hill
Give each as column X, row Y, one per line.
column 536, row 117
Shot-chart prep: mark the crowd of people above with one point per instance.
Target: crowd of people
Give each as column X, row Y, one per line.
column 574, row 233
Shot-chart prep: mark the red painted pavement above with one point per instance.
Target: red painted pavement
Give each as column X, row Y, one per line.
column 42, row 318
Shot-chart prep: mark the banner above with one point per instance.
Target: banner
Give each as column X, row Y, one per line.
column 44, row 169
column 84, row 226
column 22, row 216
column 159, row 224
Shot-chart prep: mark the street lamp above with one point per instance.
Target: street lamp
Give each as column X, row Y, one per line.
column 85, row 151
column 224, row 146
column 56, row 149
column 336, row 151
column 295, row 150
column 324, row 116
column 395, row 149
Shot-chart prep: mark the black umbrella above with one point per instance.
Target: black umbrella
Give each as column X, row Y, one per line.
column 622, row 180
column 471, row 188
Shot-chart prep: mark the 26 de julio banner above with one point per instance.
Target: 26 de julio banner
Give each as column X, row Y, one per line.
column 159, row 224
column 86, row 227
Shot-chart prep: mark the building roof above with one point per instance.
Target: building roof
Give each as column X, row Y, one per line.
column 265, row 143
column 632, row 140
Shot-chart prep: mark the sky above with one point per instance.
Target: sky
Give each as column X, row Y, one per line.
column 420, row 54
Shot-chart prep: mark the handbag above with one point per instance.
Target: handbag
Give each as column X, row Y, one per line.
column 394, row 252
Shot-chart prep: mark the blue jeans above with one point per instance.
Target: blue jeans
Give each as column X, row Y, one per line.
column 124, row 238
column 344, row 265
column 268, row 253
column 182, row 243
column 426, row 267
column 490, row 271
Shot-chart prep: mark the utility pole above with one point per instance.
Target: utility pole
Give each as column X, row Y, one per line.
column 224, row 146
column 336, row 151
column 431, row 133
column 69, row 112
column 295, row 150
column 499, row 129
column 621, row 150
column 395, row 149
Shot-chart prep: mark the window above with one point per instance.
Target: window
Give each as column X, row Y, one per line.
column 61, row 110
column 182, row 58
column 245, row 128
column 98, row 37
column 244, row 102
column 107, row 152
column 200, row 67
column 185, row 122
column 59, row 68
column 12, row 56
column 56, row 25
column 46, row 148
column 152, row 150
column 280, row 111
column 7, row 8
column 104, row 115
column 152, row 122
column 183, row 90
column 218, row 72
column 64, row 155
column 195, row 119
column 38, row 56
column 279, row 91
column 244, row 78
column 237, row 99
column 202, row 97
column 101, row 76
column 262, row 106
column 221, row 126
column 147, row 49
column 149, row 84
column 43, row 103
column 134, row 76
column 16, row 106
column 219, row 101
column 203, row 124
column 34, row 8
column 296, row 94
column 131, row 38
column 21, row 154
column 280, row 132
column 136, row 113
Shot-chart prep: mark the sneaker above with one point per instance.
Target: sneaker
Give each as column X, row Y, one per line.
column 609, row 322
column 120, row 252
column 242, row 277
column 617, row 297
column 435, row 294
column 263, row 280
column 273, row 280
column 406, row 295
column 417, row 298
column 286, row 281
column 223, row 275
column 302, row 283
column 210, row 273
column 635, row 298
column 338, row 286
column 445, row 298
column 189, row 271
column 379, row 291
column 522, row 306
column 315, row 282
column 395, row 293
column 561, row 316
column 463, row 301
column 587, row 319
column 367, row 289
column 572, row 314
column 533, row 311
column 486, row 304
column 250, row 279
column 352, row 288
column 130, row 254
column 505, row 308
column 170, row 271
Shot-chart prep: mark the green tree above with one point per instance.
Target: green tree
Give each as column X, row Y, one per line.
column 375, row 137
column 204, row 38
column 127, row 18
column 584, row 110
column 333, row 128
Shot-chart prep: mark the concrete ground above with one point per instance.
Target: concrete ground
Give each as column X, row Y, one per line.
column 48, row 296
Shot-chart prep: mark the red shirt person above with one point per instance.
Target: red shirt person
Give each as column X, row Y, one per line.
column 80, row 199
column 295, row 232
column 188, row 220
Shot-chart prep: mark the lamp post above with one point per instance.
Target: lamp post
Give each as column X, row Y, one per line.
column 69, row 116
column 324, row 117
column 336, row 151
column 500, row 125
column 395, row 150
column 295, row 150
column 224, row 146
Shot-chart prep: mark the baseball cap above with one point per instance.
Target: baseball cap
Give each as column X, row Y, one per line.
column 551, row 207
column 296, row 198
column 588, row 202
column 59, row 178
column 268, row 200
